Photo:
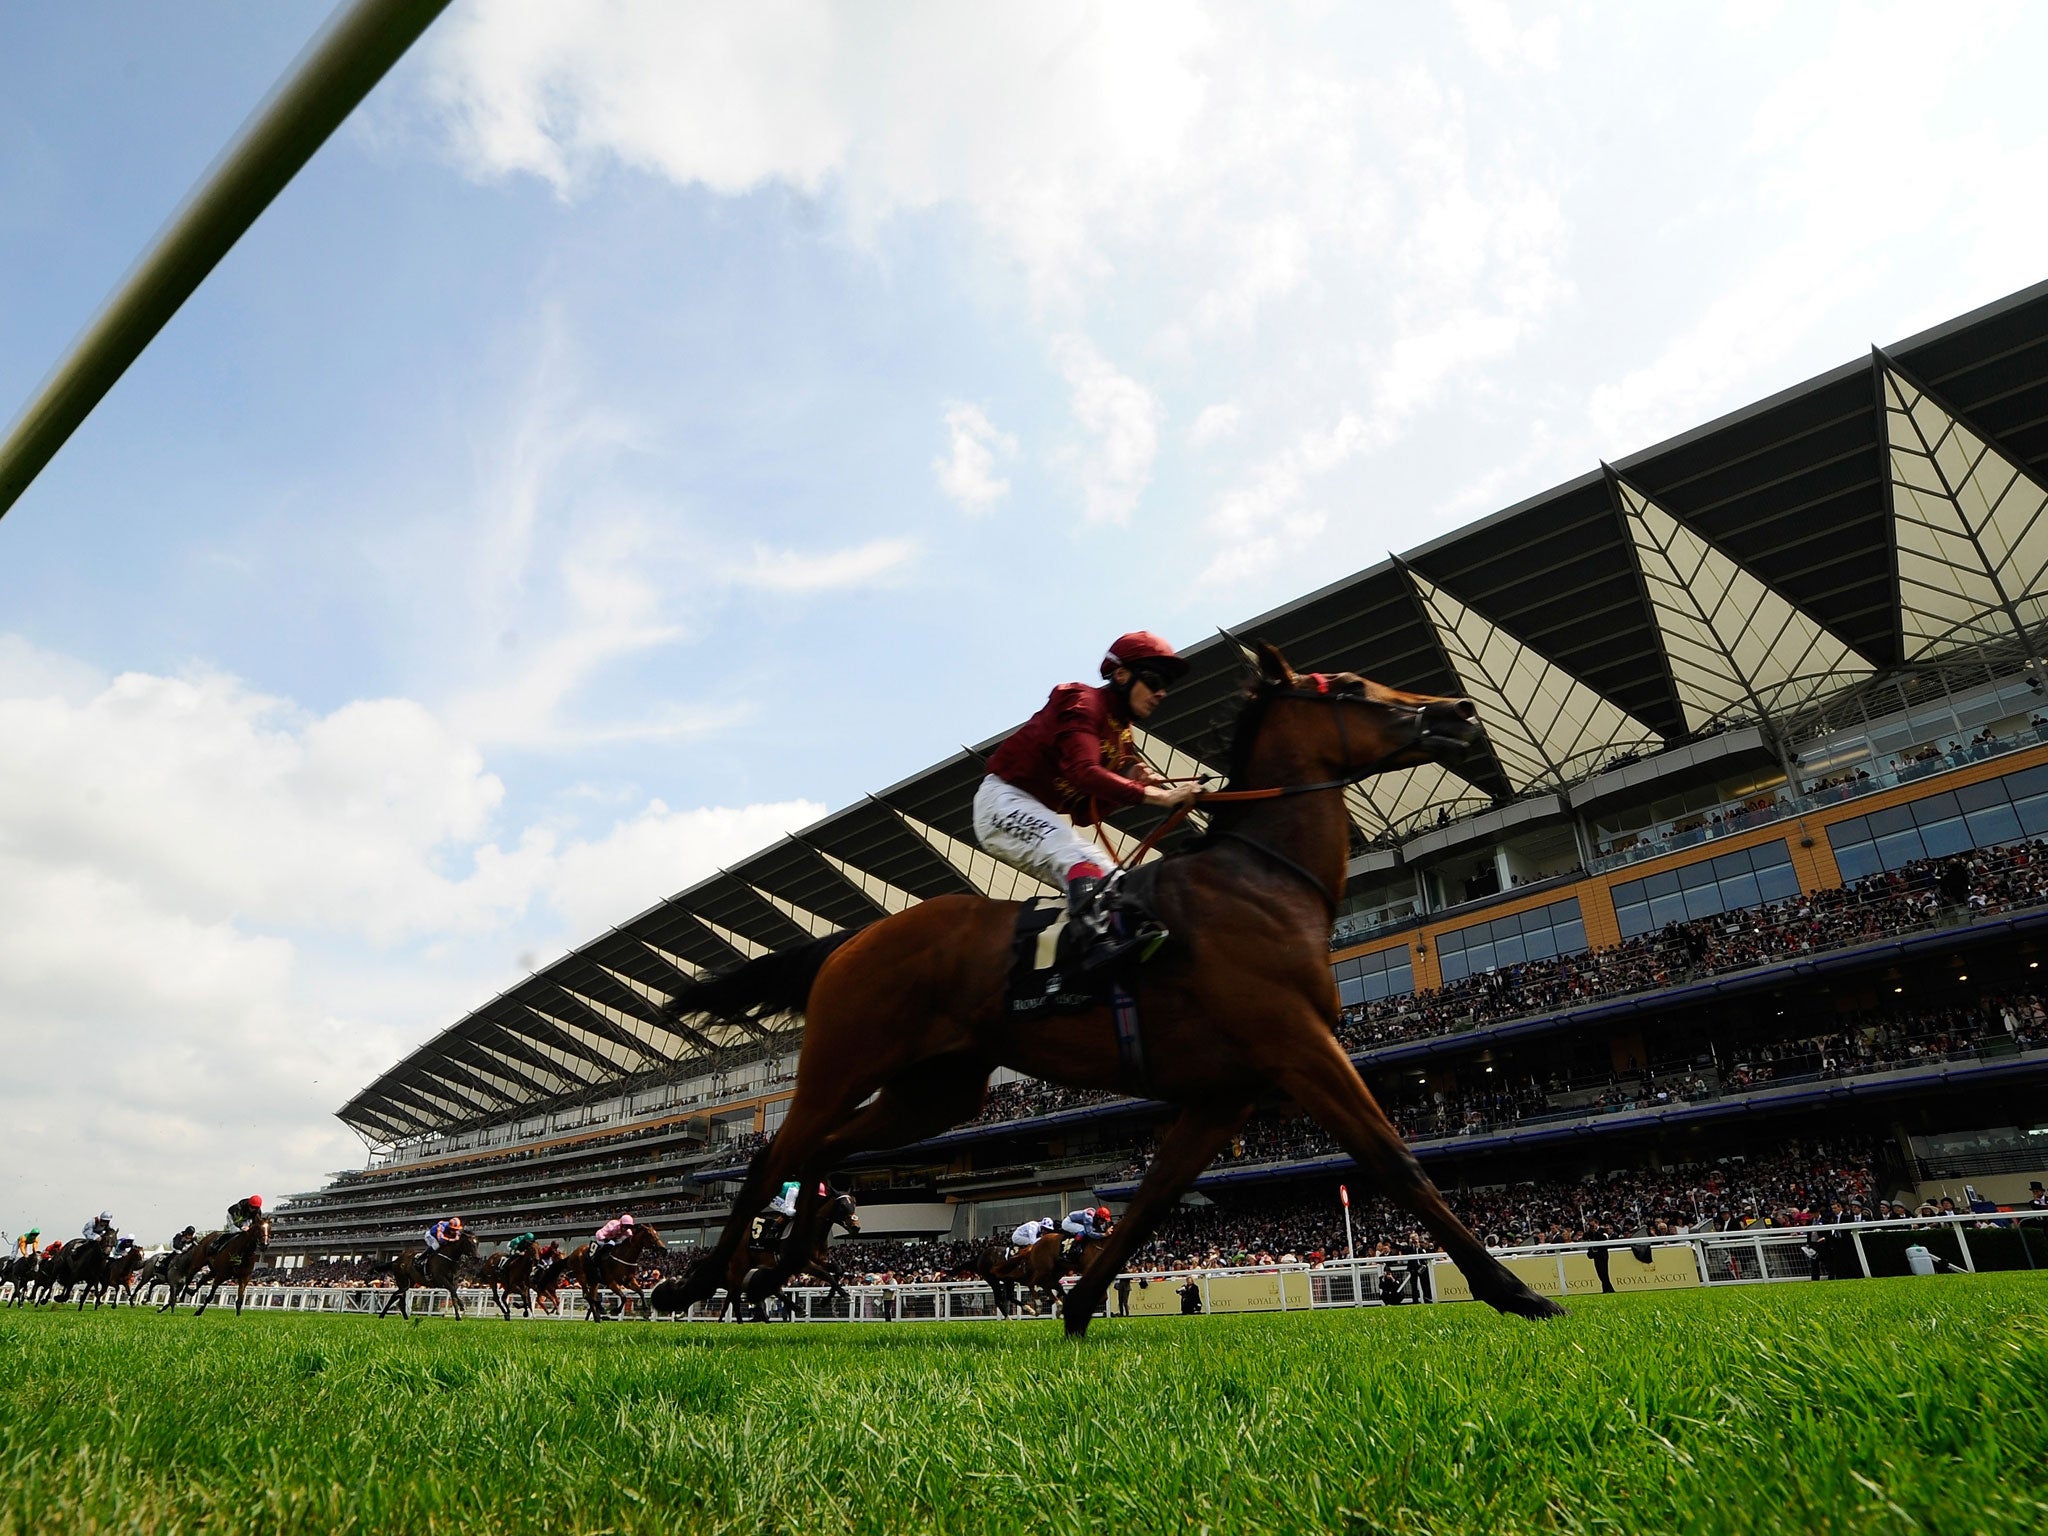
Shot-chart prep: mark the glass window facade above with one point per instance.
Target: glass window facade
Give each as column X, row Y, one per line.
column 1384, row 973
column 2001, row 810
column 1732, row 881
column 1537, row 934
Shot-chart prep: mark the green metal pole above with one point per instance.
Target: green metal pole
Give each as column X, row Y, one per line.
column 351, row 53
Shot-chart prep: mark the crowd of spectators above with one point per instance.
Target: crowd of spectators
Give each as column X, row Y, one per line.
column 1877, row 906
column 1029, row 1098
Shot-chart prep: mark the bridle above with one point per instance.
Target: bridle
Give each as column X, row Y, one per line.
column 1320, row 691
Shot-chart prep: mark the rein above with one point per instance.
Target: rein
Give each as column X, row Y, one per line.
column 1321, row 694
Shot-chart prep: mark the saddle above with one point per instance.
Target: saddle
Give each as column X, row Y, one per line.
column 1046, row 976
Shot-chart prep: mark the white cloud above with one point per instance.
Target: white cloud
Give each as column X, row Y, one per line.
column 1121, row 417
column 793, row 572
column 1504, row 47
column 1214, row 424
column 1262, row 521
column 221, row 914
column 1042, row 119
column 659, row 852
column 966, row 473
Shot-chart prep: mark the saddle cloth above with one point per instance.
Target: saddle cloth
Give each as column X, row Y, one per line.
column 1046, row 978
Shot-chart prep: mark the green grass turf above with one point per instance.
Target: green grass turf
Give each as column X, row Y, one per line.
column 1884, row 1405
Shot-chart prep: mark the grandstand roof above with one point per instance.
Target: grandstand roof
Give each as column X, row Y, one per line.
column 1875, row 522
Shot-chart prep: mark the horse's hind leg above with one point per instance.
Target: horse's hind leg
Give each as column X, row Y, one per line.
column 1188, row 1147
column 1322, row 1081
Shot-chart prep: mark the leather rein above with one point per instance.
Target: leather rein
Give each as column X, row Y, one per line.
column 1320, row 693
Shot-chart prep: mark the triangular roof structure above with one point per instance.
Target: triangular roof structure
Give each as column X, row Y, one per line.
column 1969, row 533
column 987, row 874
column 1736, row 647
column 1544, row 725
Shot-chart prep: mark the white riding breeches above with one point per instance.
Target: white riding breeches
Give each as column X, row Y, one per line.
column 1025, row 834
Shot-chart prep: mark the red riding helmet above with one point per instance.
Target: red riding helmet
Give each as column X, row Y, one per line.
column 256, row 1202
column 1102, row 1211
column 1142, row 648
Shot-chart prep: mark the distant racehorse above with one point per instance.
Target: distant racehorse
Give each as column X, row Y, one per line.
column 508, row 1275
column 548, row 1276
column 118, row 1277
column 617, row 1269
column 1038, row 1268
column 233, row 1257
column 80, row 1264
column 757, row 1277
column 429, row 1269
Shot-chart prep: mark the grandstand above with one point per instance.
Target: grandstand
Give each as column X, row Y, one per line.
column 1747, row 859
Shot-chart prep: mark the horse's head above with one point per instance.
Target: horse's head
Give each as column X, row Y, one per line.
column 464, row 1247
column 649, row 1238
column 1349, row 727
column 844, row 1214
column 261, row 1228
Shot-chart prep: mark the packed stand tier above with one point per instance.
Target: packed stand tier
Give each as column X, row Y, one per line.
column 1883, row 905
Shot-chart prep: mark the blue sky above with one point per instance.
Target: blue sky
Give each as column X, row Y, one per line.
column 644, row 427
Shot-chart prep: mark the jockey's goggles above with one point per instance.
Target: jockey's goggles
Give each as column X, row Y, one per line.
column 1158, row 682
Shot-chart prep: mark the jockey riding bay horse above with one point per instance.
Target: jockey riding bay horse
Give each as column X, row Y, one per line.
column 905, row 1019
column 618, row 1269
column 754, row 1278
column 226, row 1256
column 118, row 1277
column 507, row 1275
column 429, row 1269
column 1038, row 1268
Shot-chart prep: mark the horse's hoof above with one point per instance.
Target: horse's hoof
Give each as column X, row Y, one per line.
column 1523, row 1302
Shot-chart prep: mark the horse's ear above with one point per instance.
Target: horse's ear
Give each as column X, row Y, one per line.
column 1272, row 665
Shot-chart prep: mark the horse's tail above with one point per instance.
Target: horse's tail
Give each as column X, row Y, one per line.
column 778, row 983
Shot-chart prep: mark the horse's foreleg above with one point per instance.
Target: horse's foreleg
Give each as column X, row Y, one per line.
column 1187, row 1148
column 1321, row 1079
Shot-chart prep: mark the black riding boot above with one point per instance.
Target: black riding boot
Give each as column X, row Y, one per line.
column 1103, row 934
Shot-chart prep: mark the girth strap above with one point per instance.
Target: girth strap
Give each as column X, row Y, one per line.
column 1130, row 1040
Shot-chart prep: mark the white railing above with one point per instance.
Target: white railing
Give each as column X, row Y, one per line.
column 1761, row 1255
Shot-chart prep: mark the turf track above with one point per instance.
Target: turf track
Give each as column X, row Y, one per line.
column 1885, row 1405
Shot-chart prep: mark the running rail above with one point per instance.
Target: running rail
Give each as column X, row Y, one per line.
column 352, row 51
column 1710, row 1260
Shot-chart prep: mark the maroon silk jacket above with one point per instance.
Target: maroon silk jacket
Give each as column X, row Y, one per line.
column 1073, row 755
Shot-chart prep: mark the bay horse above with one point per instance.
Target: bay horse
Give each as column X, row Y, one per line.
column 79, row 1265
column 1038, row 1268
column 548, row 1277
column 233, row 1256
column 753, row 1278
column 507, row 1275
column 905, row 1018
column 618, row 1269
column 429, row 1269
column 118, row 1277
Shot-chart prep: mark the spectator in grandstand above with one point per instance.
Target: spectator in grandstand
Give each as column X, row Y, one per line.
column 1071, row 764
